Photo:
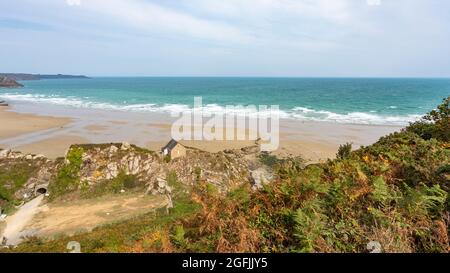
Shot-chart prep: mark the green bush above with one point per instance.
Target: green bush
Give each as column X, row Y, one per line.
column 268, row 159
column 436, row 124
column 68, row 178
column 12, row 178
column 344, row 151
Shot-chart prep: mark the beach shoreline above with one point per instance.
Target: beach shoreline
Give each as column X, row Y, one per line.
column 51, row 130
column 14, row 123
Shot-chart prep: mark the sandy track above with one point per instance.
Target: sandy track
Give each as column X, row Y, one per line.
column 84, row 215
column 58, row 218
column 16, row 223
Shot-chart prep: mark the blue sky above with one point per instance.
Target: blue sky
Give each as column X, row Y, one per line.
column 403, row 38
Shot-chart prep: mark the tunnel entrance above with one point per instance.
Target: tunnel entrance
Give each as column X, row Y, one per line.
column 41, row 191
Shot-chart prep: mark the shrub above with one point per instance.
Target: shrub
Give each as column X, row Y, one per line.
column 344, row 151
column 268, row 159
column 435, row 124
column 123, row 181
column 68, row 179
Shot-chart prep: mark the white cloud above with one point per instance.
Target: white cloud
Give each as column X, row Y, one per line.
column 229, row 21
column 155, row 18
column 333, row 10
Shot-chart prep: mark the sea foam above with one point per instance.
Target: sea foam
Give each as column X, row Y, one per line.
column 297, row 113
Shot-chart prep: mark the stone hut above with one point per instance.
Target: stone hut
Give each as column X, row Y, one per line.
column 174, row 149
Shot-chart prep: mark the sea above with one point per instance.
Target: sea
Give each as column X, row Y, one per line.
column 378, row 101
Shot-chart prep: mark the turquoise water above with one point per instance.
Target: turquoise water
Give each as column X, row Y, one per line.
column 346, row 100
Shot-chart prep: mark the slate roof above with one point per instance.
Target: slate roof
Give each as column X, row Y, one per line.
column 172, row 143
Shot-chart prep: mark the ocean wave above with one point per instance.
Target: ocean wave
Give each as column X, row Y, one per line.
column 353, row 117
column 298, row 113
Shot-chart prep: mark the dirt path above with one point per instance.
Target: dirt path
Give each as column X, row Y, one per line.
column 58, row 218
column 84, row 215
column 17, row 222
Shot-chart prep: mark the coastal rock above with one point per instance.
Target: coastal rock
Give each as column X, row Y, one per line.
column 104, row 162
column 15, row 155
column 9, row 83
column 260, row 178
column 112, row 151
column 4, row 153
column 31, row 186
column 161, row 187
column 113, row 170
column 39, row 156
column 125, row 146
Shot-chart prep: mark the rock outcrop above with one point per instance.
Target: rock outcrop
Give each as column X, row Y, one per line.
column 105, row 162
column 100, row 165
column 37, row 169
column 9, row 83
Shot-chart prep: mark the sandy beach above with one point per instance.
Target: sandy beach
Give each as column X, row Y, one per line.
column 55, row 129
column 15, row 124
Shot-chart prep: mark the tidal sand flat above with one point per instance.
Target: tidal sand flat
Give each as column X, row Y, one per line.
column 313, row 140
column 13, row 124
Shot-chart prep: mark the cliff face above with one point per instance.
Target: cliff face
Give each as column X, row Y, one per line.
column 106, row 168
column 7, row 82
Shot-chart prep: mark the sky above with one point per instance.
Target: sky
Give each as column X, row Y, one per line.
column 266, row 38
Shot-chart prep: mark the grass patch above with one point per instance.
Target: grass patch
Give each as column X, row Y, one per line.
column 68, row 179
column 13, row 177
column 114, row 186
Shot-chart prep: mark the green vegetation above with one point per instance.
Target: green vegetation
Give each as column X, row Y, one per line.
column 344, row 151
column 178, row 188
column 394, row 192
column 67, row 179
column 113, row 186
column 434, row 125
column 268, row 159
column 167, row 159
column 13, row 176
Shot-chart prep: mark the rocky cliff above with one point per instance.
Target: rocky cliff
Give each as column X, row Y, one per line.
column 114, row 168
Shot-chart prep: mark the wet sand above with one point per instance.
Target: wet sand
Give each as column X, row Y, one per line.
column 53, row 147
column 14, row 124
column 51, row 136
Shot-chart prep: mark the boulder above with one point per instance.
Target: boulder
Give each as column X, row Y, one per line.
column 112, row 150
column 260, row 178
column 4, row 153
column 125, row 146
column 39, row 156
column 9, row 83
column 112, row 170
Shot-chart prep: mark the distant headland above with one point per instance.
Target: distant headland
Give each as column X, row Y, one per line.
column 10, row 79
column 33, row 77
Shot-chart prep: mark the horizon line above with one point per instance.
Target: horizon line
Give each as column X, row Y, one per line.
column 234, row 76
